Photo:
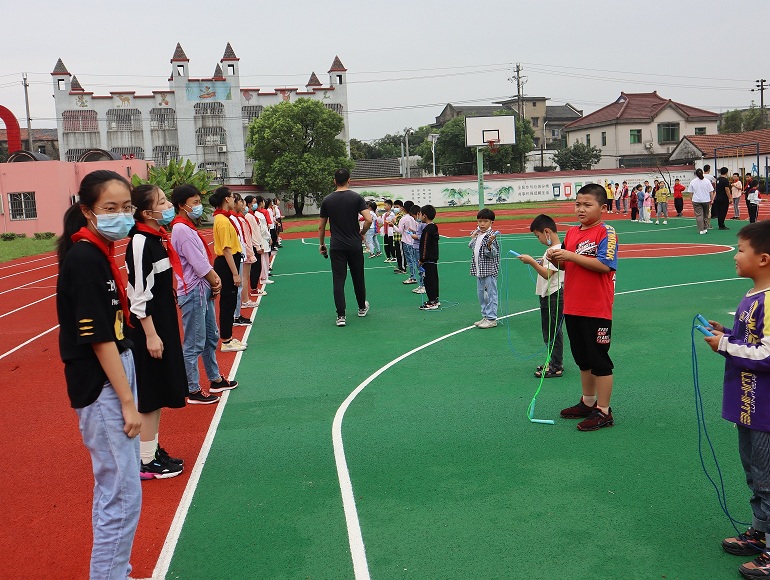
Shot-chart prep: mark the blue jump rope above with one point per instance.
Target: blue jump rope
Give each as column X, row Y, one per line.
column 702, row 325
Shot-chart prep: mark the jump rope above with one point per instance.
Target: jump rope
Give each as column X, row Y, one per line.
column 702, row 325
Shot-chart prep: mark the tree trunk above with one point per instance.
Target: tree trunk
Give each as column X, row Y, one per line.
column 299, row 204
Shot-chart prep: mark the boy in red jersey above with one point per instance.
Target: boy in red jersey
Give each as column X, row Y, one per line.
column 589, row 258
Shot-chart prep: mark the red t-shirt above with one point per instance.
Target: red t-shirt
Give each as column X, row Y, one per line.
column 589, row 293
column 678, row 189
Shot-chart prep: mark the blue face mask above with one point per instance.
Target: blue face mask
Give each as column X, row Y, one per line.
column 196, row 212
column 167, row 215
column 114, row 227
column 254, row 207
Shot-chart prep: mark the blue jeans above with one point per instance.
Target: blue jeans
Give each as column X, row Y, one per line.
column 240, row 290
column 487, row 289
column 371, row 241
column 117, row 488
column 201, row 335
column 411, row 254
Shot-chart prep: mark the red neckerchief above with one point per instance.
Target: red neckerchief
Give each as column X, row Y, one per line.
column 173, row 257
column 244, row 224
column 266, row 213
column 109, row 252
column 181, row 219
column 227, row 213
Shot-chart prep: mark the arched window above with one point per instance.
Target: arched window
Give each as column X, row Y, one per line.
column 216, row 109
column 162, row 118
column 163, row 154
column 209, row 136
column 124, row 120
column 80, row 122
column 249, row 113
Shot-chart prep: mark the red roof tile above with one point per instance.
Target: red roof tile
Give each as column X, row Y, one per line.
column 76, row 86
column 60, row 69
column 313, row 82
column 707, row 143
column 229, row 53
column 37, row 134
column 218, row 72
column 337, row 65
column 635, row 107
column 179, row 54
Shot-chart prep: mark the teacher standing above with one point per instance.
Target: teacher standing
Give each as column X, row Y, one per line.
column 341, row 209
column 702, row 196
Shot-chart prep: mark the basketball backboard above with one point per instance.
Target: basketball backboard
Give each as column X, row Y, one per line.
column 479, row 131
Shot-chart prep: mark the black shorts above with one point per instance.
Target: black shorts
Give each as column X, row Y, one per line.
column 589, row 340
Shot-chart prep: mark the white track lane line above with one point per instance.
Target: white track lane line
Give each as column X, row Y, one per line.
column 25, row 271
column 355, row 537
column 27, row 305
column 28, row 284
column 23, row 344
column 15, row 264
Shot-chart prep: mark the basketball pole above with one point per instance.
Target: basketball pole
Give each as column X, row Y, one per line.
column 480, row 170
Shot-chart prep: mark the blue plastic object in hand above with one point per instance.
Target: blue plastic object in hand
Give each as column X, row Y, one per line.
column 514, row 253
column 705, row 331
column 702, row 320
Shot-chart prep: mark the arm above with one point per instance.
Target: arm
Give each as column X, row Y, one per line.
column 109, row 359
column 213, row 279
column 322, row 234
column 558, row 257
column 228, row 254
column 154, row 342
column 367, row 215
column 542, row 271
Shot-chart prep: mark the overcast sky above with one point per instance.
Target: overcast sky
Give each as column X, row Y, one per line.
column 405, row 59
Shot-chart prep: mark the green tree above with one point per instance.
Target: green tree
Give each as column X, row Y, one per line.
column 296, row 150
column 752, row 119
column 362, row 150
column 177, row 172
column 732, row 122
column 578, row 156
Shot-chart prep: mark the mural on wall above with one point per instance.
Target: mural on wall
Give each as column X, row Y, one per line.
column 247, row 96
column 81, row 100
column 204, row 90
column 163, row 100
column 123, row 100
column 285, row 94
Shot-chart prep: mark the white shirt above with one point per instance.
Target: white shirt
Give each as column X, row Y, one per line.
column 701, row 190
column 547, row 287
column 477, row 246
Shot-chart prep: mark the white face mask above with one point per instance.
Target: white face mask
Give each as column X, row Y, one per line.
column 114, row 227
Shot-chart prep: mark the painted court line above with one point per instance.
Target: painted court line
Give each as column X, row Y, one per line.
column 27, row 305
column 23, row 344
column 355, row 536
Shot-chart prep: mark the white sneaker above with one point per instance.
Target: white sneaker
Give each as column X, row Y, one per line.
column 249, row 304
column 486, row 323
column 478, row 322
column 657, row 222
column 665, row 221
column 233, row 346
column 363, row 311
column 340, row 321
column 419, row 290
column 268, row 281
column 702, row 232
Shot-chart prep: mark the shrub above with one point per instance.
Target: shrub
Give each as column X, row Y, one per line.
column 8, row 236
column 44, row 235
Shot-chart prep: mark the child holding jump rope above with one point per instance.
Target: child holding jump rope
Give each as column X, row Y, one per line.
column 746, row 391
column 92, row 308
column 548, row 288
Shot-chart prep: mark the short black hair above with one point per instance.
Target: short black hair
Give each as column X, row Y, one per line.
column 707, row 167
column 757, row 235
column 388, row 202
column 414, row 210
column 596, row 190
column 429, row 212
column 541, row 222
column 341, row 176
column 218, row 197
column 398, row 203
column 723, row 171
column 248, row 199
column 182, row 193
column 485, row 214
column 408, row 204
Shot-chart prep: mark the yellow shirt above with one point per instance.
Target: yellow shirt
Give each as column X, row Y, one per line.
column 225, row 236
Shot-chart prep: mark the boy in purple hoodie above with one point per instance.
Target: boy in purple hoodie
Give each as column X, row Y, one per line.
column 746, row 392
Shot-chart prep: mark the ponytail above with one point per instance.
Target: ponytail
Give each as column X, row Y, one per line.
column 73, row 221
column 699, row 173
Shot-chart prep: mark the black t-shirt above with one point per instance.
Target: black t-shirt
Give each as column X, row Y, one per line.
column 722, row 187
column 429, row 243
column 342, row 209
column 89, row 311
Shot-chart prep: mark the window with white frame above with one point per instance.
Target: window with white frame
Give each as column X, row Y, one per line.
column 162, row 118
column 124, row 120
column 80, row 121
column 22, row 205
column 336, row 107
column 249, row 113
column 216, row 109
column 209, row 136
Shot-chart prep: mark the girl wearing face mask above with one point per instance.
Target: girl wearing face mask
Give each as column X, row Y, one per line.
column 92, row 308
column 151, row 263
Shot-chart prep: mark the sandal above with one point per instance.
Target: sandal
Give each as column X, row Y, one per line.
column 549, row 373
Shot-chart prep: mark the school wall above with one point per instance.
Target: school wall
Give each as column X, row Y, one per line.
column 54, row 184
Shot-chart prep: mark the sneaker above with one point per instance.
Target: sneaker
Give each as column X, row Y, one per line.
column 249, row 304
column 261, row 292
column 340, row 321
column 748, row 543
column 702, row 232
column 478, row 322
column 363, row 311
column 222, row 385
column 665, row 222
column 419, row 290
column 399, row 271
column 410, row 281
column 487, row 323
column 159, row 469
column 759, row 567
column 232, row 345
column 597, row 420
column 241, row 321
column 373, row 256
column 657, row 221
column 429, row 306
column 723, row 228
column 268, row 281
column 161, row 454
column 578, row 411
column 200, row 398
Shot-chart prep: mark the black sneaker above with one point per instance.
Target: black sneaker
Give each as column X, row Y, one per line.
column 162, row 455
column 159, row 469
column 340, row 321
column 222, row 385
column 749, row 543
column 577, row 411
column 597, row 420
column 198, row 398
column 759, row 567
column 241, row 321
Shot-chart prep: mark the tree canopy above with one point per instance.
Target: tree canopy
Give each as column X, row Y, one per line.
column 577, row 156
column 738, row 121
column 296, row 150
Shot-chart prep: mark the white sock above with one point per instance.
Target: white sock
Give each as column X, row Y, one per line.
column 589, row 401
column 147, row 450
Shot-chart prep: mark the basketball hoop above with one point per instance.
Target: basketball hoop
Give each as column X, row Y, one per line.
column 492, row 144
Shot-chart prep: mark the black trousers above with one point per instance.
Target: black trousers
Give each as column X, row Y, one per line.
column 431, row 281
column 399, row 253
column 274, row 238
column 634, row 213
column 256, row 271
column 228, row 299
column 720, row 206
column 753, row 211
column 342, row 260
column 678, row 205
column 389, row 247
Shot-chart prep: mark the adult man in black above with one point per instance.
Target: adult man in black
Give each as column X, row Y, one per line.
column 722, row 198
column 341, row 209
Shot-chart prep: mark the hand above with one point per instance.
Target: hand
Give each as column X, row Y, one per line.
column 527, row 259
column 260, row 252
column 236, row 279
column 558, row 255
column 490, row 240
column 132, row 420
column 713, row 341
column 475, row 233
column 155, row 346
column 714, row 325
column 322, row 249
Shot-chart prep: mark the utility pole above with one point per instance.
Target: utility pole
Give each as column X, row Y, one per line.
column 26, row 101
column 761, row 85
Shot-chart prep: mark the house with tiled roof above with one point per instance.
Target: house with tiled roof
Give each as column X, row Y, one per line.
column 739, row 152
column 548, row 121
column 44, row 141
column 639, row 129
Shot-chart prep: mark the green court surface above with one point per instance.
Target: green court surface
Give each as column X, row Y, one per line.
column 450, row 478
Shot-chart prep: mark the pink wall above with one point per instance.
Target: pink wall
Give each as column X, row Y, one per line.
column 54, row 184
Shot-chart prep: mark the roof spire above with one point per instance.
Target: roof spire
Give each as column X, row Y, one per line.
column 313, row 81
column 337, row 65
column 179, row 54
column 229, row 54
column 60, row 69
column 75, row 86
column 218, row 72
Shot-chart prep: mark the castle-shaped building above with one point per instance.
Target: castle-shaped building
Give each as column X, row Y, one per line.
column 202, row 119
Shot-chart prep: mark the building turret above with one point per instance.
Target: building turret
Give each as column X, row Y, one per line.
column 337, row 73
column 180, row 64
column 230, row 63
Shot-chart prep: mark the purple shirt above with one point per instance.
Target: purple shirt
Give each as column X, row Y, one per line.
column 746, row 348
column 194, row 258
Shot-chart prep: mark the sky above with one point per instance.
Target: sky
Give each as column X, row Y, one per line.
column 405, row 59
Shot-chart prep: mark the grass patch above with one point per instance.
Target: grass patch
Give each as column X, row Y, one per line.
column 22, row 247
